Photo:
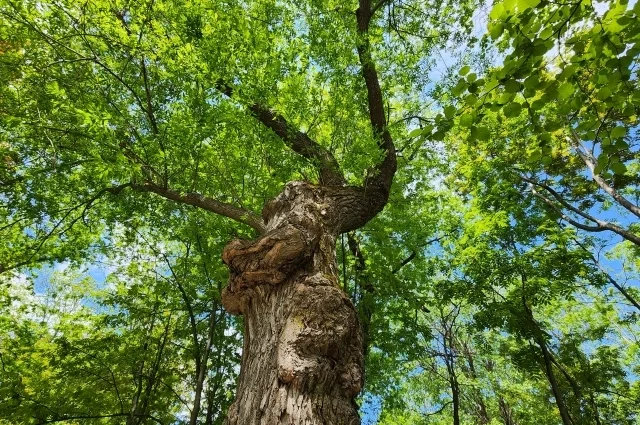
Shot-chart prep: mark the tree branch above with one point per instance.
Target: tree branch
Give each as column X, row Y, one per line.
column 589, row 160
column 197, row 200
column 299, row 142
column 378, row 6
column 382, row 178
column 414, row 253
column 600, row 226
column 610, row 278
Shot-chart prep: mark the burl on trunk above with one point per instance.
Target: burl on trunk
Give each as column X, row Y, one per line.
column 302, row 357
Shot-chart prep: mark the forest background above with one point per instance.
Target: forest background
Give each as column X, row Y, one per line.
column 498, row 286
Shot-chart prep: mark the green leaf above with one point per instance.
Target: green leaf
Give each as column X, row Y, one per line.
column 546, row 33
column 532, row 81
column 512, row 86
column 415, row 132
column 512, row 109
column 618, row 168
column 603, row 161
column 538, row 104
column 527, row 4
column 604, row 93
column 464, row 70
column 510, row 5
column 427, row 129
column 618, row 132
column 490, row 85
column 498, row 11
column 460, row 87
column 496, row 29
column 552, row 125
column 449, row 111
column 466, row 120
column 471, row 99
column 535, row 156
column 483, row 133
column 565, row 90
column 505, row 98
column 438, row 135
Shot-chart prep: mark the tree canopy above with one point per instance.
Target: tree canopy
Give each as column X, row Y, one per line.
column 495, row 280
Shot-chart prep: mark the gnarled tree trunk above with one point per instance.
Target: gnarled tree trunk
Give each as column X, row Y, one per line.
column 302, row 357
column 302, row 361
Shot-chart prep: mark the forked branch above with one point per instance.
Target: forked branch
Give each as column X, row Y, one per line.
column 589, row 160
column 598, row 224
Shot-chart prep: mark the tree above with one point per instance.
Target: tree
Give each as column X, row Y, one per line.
column 117, row 351
column 564, row 107
column 444, row 232
column 107, row 104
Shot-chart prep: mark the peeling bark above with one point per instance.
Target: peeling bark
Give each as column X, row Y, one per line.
column 302, row 358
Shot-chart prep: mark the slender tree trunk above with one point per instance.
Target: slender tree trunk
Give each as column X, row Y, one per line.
column 365, row 306
column 455, row 387
column 538, row 337
column 594, row 406
column 506, row 413
column 450, row 361
column 481, row 408
column 455, row 392
column 201, row 367
column 134, row 413
column 555, row 388
column 302, row 355
column 152, row 378
column 548, row 367
column 209, row 418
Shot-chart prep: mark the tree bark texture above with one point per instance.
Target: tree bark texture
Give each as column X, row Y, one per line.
column 302, row 359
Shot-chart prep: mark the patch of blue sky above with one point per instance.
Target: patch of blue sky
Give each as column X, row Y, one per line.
column 370, row 409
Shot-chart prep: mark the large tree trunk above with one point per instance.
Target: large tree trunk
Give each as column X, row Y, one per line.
column 302, row 356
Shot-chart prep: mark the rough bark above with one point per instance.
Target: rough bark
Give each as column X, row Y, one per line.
column 302, row 356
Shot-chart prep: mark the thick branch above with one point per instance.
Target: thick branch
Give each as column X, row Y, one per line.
column 564, row 216
column 589, row 161
column 382, row 178
column 378, row 6
column 296, row 140
column 600, row 226
column 197, row 200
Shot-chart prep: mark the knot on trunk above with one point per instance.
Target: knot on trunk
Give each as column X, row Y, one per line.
column 300, row 203
column 319, row 348
column 269, row 260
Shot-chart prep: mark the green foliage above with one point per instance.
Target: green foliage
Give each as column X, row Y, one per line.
column 472, row 271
